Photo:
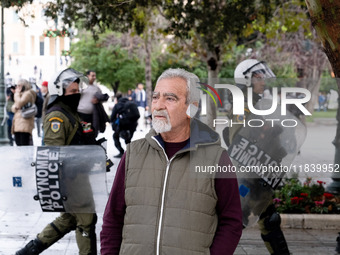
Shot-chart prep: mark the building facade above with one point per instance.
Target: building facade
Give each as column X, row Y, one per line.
column 31, row 47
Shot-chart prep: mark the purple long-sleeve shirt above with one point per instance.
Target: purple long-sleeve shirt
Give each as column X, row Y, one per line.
column 228, row 209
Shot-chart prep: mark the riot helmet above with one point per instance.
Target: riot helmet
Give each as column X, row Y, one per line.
column 246, row 69
column 61, row 80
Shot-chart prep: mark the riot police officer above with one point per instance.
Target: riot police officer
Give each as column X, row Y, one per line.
column 62, row 126
column 252, row 73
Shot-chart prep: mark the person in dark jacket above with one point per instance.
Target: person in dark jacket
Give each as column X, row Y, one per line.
column 9, row 103
column 99, row 115
column 124, row 130
column 141, row 101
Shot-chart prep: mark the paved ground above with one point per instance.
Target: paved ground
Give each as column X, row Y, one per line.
column 17, row 228
column 300, row 242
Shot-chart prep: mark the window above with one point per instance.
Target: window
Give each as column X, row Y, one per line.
column 41, row 50
column 15, row 17
column 15, row 47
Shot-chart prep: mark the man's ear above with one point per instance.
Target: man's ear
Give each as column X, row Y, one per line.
column 192, row 110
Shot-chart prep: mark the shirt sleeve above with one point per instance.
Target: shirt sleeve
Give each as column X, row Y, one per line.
column 113, row 218
column 228, row 208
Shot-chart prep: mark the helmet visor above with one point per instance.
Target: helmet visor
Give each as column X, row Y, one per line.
column 68, row 76
column 262, row 69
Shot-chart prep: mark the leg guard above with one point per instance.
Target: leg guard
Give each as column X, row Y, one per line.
column 271, row 232
column 86, row 236
column 57, row 229
column 272, row 222
column 276, row 242
column 337, row 249
column 34, row 247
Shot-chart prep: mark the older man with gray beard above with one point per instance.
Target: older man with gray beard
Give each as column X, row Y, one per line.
column 158, row 203
column 159, row 125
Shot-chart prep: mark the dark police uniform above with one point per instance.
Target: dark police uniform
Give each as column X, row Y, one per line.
column 269, row 222
column 62, row 126
column 234, row 129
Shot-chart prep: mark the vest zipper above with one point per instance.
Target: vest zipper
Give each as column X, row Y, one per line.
column 163, row 197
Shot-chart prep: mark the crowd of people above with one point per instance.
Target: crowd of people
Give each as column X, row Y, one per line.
column 157, row 204
column 24, row 93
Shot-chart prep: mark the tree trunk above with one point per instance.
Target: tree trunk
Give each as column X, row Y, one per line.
column 325, row 18
column 313, row 76
column 115, row 86
column 211, row 108
column 214, row 66
column 148, row 48
column 148, row 81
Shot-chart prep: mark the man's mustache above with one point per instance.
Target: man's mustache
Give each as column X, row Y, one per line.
column 162, row 113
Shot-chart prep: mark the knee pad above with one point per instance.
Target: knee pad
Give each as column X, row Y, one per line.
column 272, row 222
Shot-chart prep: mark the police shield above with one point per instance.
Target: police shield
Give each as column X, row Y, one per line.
column 263, row 151
column 53, row 179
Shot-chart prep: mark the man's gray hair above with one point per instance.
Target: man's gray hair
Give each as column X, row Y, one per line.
column 191, row 79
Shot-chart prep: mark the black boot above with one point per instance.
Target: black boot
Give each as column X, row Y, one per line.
column 274, row 239
column 34, row 247
column 277, row 242
column 337, row 249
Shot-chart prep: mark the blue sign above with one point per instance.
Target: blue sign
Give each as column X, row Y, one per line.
column 17, row 182
column 243, row 190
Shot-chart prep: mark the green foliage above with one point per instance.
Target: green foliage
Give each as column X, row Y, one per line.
column 231, row 59
column 206, row 30
column 17, row 3
column 215, row 22
column 165, row 60
column 309, row 197
column 329, row 114
column 327, row 82
column 290, row 17
column 98, row 15
column 284, row 71
column 209, row 28
column 56, row 33
column 114, row 67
